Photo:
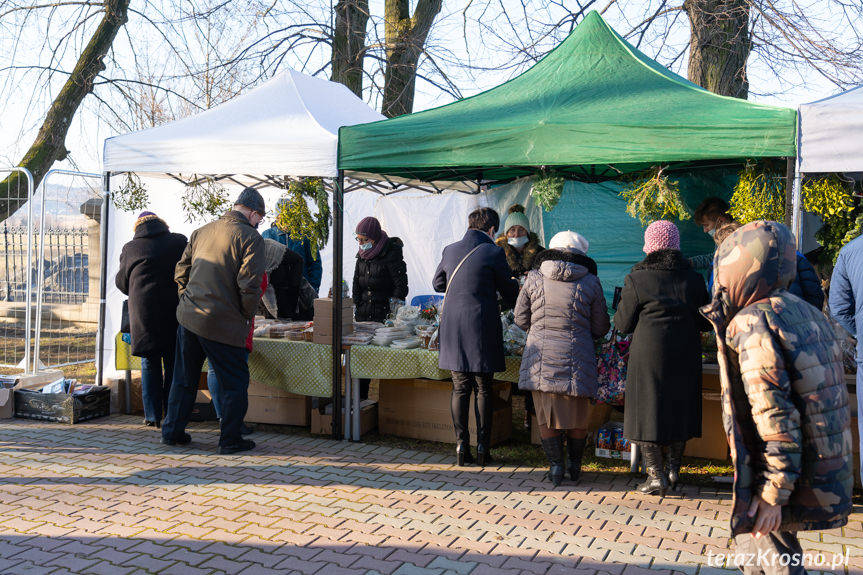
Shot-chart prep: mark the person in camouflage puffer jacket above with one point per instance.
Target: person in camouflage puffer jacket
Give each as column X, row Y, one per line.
column 785, row 404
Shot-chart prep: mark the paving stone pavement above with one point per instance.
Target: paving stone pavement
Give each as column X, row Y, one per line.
column 106, row 498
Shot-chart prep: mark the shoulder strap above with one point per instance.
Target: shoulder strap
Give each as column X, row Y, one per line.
column 455, row 271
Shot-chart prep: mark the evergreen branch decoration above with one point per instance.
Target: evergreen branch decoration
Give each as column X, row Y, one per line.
column 204, row 199
column 132, row 195
column 652, row 196
column 832, row 199
column 546, row 190
column 295, row 219
column 759, row 194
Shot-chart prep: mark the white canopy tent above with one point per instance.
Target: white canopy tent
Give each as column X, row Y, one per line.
column 288, row 126
column 829, row 139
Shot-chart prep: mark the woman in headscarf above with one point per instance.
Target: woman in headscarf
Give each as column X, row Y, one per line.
column 563, row 309
column 520, row 245
column 659, row 306
column 380, row 274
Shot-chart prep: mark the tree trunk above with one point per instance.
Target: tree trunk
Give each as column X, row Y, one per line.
column 349, row 43
column 719, row 45
column 405, row 37
column 49, row 145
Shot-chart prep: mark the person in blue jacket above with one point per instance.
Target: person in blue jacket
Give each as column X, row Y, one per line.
column 312, row 267
column 846, row 306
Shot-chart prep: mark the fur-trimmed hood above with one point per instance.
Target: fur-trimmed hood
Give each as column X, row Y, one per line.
column 663, row 260
column 521, row 263
column 567, row 257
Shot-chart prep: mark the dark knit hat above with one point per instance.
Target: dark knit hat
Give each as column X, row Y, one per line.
column 369, row 227
column 252, row 199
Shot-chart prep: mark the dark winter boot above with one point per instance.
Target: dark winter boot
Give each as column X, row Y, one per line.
column 576, row 451
column 672, row 464
column 657, row 482
column 553, row 447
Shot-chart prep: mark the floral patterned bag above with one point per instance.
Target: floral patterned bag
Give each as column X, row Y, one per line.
column 611, row 360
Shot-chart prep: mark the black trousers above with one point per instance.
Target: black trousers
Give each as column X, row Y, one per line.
column 232, row 371
column 463, row 384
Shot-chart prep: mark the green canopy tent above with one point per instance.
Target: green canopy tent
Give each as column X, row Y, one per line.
column 593, row 109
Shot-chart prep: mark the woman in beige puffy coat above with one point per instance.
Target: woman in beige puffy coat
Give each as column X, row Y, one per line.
column 563, row 309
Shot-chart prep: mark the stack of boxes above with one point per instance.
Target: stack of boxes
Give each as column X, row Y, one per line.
column 324, row 319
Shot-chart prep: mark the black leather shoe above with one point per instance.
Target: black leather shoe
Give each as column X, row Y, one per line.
column 483, row 455
column 185, row 439
column 244, row 445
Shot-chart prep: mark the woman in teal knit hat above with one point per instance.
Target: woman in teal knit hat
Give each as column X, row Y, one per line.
column 520, row 245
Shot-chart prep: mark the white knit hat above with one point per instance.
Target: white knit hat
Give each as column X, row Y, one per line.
column 569, row 240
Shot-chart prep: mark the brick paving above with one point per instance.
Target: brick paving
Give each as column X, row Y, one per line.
column 106, row 497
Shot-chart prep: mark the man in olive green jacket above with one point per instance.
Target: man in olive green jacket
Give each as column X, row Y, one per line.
column 219, row 280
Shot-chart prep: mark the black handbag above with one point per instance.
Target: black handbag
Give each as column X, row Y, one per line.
column 124, row 318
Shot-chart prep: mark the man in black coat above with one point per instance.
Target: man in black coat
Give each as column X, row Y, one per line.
column 471, row 336
column 146, row 275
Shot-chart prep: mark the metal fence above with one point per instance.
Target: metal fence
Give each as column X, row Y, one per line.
column 65, row 265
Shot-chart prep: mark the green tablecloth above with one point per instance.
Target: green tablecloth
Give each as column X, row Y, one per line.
column 375, row 362
column 298, row 367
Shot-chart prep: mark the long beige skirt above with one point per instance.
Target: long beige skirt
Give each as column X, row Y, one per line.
column 557, row 411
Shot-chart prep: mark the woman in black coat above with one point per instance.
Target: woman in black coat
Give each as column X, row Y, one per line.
column 659, row 305
column 471, row 336
column 146, row 275
column 380, row 274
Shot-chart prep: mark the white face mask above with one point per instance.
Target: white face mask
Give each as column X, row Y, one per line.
column 711, row 232
column 367, row 246
column 517, row 242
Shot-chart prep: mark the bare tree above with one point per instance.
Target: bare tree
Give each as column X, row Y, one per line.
column 405, row 36
column 349, row 44
column 50, row 145
column 731, row 47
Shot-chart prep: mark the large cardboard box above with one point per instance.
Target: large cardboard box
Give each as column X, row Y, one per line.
column 322, row 421
column 63, row 407
column 324, row 305
column 269, row 404
column 712, row 444
column 420, row 409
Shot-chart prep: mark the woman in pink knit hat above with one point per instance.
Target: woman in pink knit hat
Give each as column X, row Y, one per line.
column 659, row 306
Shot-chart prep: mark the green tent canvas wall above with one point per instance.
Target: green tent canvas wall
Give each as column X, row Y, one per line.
column 593, row 108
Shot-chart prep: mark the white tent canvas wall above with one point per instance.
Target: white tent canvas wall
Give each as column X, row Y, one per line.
column 831, row 134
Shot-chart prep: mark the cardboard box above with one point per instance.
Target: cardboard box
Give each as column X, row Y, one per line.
column 323, row 333
column 712, row 444
column 420, row 408
column 325, row 304
column 322, row 422
column 269, row 404
column 63, row 407
column 203, row 408
column 33, row 380
column 7, row 403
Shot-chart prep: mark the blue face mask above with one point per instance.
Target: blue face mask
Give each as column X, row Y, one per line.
column 367, row 246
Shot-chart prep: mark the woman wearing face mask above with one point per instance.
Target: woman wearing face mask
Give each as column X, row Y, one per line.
column 520, row 245
column 380, row 274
